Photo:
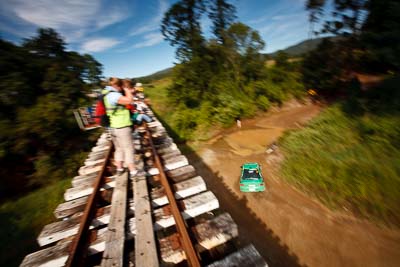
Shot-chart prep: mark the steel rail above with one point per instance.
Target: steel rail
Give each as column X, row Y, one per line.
column 191, row 254
column 77, row 257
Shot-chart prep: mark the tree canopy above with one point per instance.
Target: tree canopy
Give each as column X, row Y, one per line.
column 368, row 41
column 40, row 84
column 221, row 77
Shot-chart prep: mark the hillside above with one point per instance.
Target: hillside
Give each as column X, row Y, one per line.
column 294, row 50
column 302, row 47
column 156, row 76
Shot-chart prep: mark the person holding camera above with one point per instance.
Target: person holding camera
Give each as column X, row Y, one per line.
column 120, row 125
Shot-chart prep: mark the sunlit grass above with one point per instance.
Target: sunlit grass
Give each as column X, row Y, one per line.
column 350, row 162
column 157, row 93
column 22, row 220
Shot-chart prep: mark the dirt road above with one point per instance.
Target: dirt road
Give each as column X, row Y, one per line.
column 287, row 227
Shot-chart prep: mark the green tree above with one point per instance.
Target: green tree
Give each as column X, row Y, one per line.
column 347, row 16
column 247, row 45
column 40, row 84
column 222, row 15
column 381, row 34
column 181, row 27
column 282, row 59
column 47, row 44
column 323, row 68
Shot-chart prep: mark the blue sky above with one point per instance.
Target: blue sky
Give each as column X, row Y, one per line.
column 124, row 35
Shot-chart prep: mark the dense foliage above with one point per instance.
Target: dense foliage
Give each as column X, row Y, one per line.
column 224, row 77
column 369, row 32
column 350, row 155
column 40, row 84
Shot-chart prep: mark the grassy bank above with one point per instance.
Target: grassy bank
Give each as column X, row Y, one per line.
column 348, row 161
column 22, row 220
column 157, row 92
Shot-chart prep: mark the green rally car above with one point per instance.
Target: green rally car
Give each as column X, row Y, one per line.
column 251, row 179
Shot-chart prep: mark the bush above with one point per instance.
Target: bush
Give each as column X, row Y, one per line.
column 263, row 103
column 23, row 219
column 348, row 162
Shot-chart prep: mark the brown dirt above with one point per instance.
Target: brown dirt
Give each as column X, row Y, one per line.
column 287, row 227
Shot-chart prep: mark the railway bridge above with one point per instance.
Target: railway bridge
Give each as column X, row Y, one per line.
column 163, row 217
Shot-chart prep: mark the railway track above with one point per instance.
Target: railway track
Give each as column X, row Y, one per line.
column 162, row 217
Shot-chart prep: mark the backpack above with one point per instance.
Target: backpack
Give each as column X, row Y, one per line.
column 100, row 114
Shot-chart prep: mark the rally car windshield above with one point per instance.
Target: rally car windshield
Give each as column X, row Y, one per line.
column 251, row 174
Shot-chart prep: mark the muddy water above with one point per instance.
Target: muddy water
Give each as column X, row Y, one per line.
column 248, row 142
column 286, row 226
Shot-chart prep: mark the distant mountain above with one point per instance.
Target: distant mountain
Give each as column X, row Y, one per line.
column 301, row 48
column 156, row 76
column 293, row 51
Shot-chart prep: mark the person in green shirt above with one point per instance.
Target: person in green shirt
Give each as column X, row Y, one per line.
column 120, row 125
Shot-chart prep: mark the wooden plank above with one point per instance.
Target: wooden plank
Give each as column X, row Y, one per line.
column 101, row 148
column 57, row 255
column 181, row 174
column 154, row 124
column 87, row 181
column 247, row 256
column 78, row 192
column 81, row 239
column 191, row 255
column 115, row 236
column 171, row 249
column 192, row 207
column 145, row 247
column 166, row 144
column 182, row 190
column 168, row 149
column 189, row 187
column 215, row 232
column 153, row 171
column 68, row 208
column 98, row 245
column 102, row 139
column 175, row 163
column 97, row 155
column 90, row 162
column 159, row 134
column 56, row 231
column 199, row 204
column 78, row 178
column 171, row 155
column 84, row 170
column 208, row 235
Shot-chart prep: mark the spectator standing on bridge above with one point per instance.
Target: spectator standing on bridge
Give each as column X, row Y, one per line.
column 120, row 124
column 138, row 112
column 139, row 91
column 127, row 83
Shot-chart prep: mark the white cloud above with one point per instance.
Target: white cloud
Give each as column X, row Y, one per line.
column 258, row 20
column 73, row 19
column 154, row 23
column 294, row 16
column 57, row 14
column 150, row 40
column 98, row 44
column 116, row 14
column 144, row 29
